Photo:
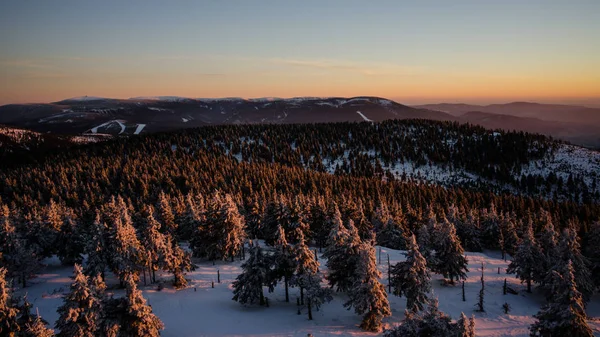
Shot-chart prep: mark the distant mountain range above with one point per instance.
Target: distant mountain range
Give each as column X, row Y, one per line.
column 98, row 116
column 577, row 124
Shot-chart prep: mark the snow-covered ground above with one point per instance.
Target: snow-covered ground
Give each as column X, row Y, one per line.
column 200, row 310
column 363, row 116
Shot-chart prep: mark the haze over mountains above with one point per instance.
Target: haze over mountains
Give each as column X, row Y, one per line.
column 101, row 116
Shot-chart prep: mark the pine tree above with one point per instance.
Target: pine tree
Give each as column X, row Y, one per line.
column 508, row 232
column 592, row 252
column 70, row 240
column 411, row 278
column 490, row 227
column 37, row 328
column 165, row 214
column 156, row 249
column 569, row 249
column 449, row 255
column 392, row 235
column 307, row 277
column 547, row 240
column 367, row 295
column 138, row 321
column 526, row 262
column 465, row 327
column 79, row 315
column 97, row 249
column 222, row 234
column 125, row 250
column 565, row 314
column 431, row 323
column 341, row 254
column 8, row 311
column 232, row 229
column 248, row 286
column 284, row 263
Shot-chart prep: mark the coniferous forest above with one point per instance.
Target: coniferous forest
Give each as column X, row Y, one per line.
column 304, row 207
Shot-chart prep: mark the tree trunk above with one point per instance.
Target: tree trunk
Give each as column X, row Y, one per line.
column 262, row 297
column 301, row 296
column 287, row 295
column 144, row 271
column 309, row 310
column 529, row 285
column 153, row 275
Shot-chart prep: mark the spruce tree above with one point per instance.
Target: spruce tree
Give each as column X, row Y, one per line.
column 8, row 311
column 411, row 278
column 392, row 235
column 284, row 263
column 465, row 327
column 564, row 315
column 248, row 286
column 431, row 323
column 341, row 254
column 138, row 320
column 165, row 214
column 37, row 328
column 79, row 315
column 307, row 277
column 569, row 249
column 449, row 255
column 526, row 261
column 592, row 252
column 367, row 295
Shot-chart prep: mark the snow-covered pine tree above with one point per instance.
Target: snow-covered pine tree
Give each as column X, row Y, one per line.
column 125, row 250
column 277, row 213
column 465, row 327
column 80, row 312
column 411, row 278
column 569, row 249
column 8, row 311
column 526, row 261
column 592, row 252
column 37, row 328
column 449, row 256
column 165, row 214
column 138, row 321
column 341, row 254
column 284, row 262
column 70, row 241
column 367, row 295
column 564, row 315
column 307, row 277
column 431, row 323
column 248, row 286
column 194, row 208
column 96, row 248
column 222, row 234
column 231, row 229
column 317, row 220
column 510, row 239
column 547, row 240
column 490, row 227
column 392, row 235
column 177, row 262
column 156, row 250
column 469, row 232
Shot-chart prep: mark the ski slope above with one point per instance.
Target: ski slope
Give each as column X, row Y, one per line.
column 201, row 310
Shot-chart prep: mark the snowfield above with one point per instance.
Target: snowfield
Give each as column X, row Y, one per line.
column 201, row 310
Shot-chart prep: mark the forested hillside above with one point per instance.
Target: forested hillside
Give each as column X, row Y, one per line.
column 122, row 206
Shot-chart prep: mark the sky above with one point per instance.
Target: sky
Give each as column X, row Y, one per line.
column 411, row 51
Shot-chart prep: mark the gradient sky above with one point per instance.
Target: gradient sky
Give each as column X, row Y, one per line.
column 413, row 51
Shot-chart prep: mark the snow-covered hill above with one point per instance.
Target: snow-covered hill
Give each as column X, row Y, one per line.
column 201, row 310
